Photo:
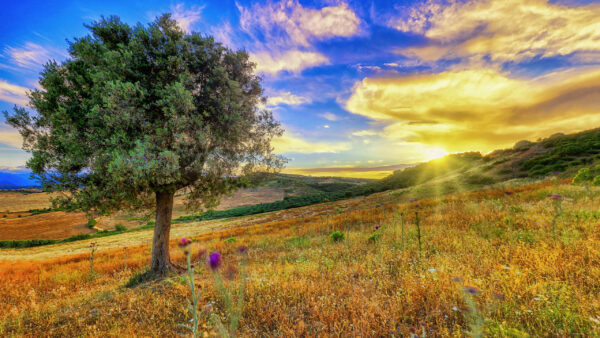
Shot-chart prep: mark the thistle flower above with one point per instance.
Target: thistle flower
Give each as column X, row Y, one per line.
column 377, row 227
column 214, row 260
column 92, row 244
column 473, row 291
column 184, row 242
column 508, row 192
column 242, row 249
column 555, row 196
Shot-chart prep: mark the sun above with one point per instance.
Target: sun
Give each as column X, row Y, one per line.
column 433, row 153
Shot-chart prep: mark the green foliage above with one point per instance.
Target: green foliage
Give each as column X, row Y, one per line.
column 120, row 227
column 145, row 109
column 374, row 238
column 91, row 223
column 230, row 240
column 596, row 181
column 337, row 236
column 562, row 152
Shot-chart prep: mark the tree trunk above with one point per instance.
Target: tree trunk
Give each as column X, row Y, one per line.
column 161, row 260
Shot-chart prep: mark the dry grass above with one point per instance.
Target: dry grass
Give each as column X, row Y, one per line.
column 19, row 224
column 302, row 284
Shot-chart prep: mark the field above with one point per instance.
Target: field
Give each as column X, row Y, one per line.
column 21, row 224
column 510, row 261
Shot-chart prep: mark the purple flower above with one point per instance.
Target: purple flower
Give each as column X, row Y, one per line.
column 508, row 192
column 242, row 249
column 377, row 227
column 471, row 290
column 214, row 260
column 184, row 242
column 555, row 173
column 555, row 196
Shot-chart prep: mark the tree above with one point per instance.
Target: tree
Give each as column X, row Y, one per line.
column 138, row 113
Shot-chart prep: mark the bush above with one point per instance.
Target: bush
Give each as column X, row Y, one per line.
column 337, row 236
column 230, row 240
column 91, row 223
column 120, row 227
column 596, row 181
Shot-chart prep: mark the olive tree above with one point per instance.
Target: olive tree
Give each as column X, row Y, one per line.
column 137, row 113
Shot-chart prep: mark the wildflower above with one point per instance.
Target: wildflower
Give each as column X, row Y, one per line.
column 457, row 279
column 471, row 290
column 555, row 196
column 92, row 244
column 508, row 192
column 214, row 260
column 184, row 242
column 377, row 227
column 498, row 295
column 555, row 173
column 242, row 249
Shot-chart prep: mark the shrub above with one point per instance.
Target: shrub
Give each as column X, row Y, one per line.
column 91, row 223
column 230, row 240
column 596, row 180
column 120, row 227
column 337, row 236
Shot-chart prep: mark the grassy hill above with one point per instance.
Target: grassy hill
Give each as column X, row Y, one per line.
column 485, row 261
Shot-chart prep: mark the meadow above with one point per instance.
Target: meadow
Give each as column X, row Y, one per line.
column 519, row 259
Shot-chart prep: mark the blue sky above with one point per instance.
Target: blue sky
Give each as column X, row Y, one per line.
column 361, row 85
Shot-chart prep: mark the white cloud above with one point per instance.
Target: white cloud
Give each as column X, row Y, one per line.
column 330, row 116
column 287, row 98
column 293, row 60
column 13, row 93
column 31, row 55
column 186, row 17
column 288, row 22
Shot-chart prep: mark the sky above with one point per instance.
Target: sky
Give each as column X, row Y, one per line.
column 362, row 87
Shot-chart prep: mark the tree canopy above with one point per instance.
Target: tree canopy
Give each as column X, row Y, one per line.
column 136, row 110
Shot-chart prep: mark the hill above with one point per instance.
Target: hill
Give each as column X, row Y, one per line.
column 17, row 178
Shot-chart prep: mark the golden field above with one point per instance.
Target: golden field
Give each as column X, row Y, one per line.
column 526, row 277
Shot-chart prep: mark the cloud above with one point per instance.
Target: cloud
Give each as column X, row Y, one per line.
column 291, row 143
column 186, row 17
column 293, row 61
column 330, row 116
column 287, row 98
column 479, row 109
column 288, row 22
column 363, row 133
column 10, row 136
column 13, row 93
column 31, row 55
column 501, row 30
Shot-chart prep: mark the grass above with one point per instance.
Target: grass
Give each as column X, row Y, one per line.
column 496, row 242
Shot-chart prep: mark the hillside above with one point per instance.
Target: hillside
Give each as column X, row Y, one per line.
column 485, row 261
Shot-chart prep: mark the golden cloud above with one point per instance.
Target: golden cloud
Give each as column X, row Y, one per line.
column 479, row 109
column 504, row 30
